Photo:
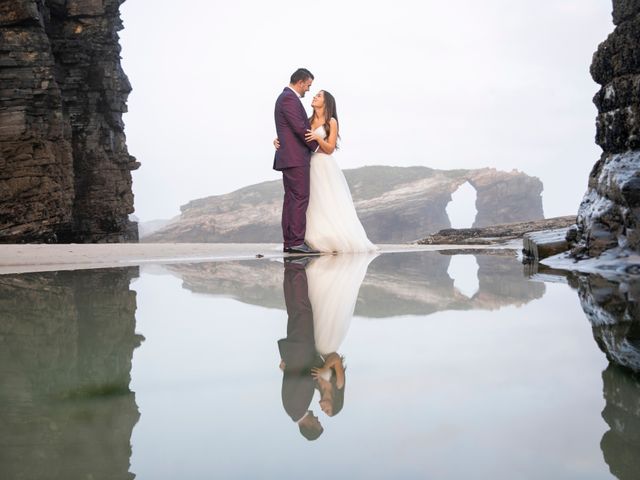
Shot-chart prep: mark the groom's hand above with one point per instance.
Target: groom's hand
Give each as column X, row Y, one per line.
column 276, row 143
column 310, row 136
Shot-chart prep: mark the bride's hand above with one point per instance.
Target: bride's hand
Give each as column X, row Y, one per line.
column 276, row 143
column 310, row 136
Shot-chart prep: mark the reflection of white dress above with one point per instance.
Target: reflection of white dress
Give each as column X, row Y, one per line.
column 334, row 282
column 332, row 221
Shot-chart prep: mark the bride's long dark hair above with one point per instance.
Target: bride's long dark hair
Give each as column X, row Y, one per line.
column 330, row 111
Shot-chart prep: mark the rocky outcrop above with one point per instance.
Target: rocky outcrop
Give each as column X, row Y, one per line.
column 609, row 215
column 65, row 172
column 495, row 234
column 67, row 410
column 395, row 204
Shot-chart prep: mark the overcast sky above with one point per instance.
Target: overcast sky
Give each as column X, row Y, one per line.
column 465, row 84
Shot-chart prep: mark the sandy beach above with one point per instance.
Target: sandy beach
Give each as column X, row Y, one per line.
column 16, row 258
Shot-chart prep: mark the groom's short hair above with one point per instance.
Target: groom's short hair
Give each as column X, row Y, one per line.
column 301, row 74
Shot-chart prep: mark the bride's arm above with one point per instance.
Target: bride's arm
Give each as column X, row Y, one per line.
column 335, row 361
column 327, row 145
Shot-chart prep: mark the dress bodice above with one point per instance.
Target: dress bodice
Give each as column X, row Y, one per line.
column 332, row 221
column 321, row 131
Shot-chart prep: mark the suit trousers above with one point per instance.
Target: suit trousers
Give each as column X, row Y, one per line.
column 294, row 208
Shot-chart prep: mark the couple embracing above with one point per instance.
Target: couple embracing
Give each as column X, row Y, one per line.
column 318, row 214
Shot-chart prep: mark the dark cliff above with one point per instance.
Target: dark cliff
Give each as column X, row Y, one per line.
column 609, row 216
column 65, row 172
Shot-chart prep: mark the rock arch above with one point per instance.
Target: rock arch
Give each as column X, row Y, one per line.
column 462, row 210
column 395, row 204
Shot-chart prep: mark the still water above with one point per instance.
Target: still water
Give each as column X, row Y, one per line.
column 455, row 366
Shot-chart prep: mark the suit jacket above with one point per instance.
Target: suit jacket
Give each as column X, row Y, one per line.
column 298, row 349
column 291, row 124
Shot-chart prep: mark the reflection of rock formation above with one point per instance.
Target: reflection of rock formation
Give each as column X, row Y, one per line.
column 65, row 171
column 609, row 214
column 418, row 284
column 621, row 444
column 67, row 343
column 614, row 313
column 395, row 204
column 396, row 284
column 255, row 283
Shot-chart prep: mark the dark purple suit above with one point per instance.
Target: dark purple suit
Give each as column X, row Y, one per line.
column 293, row 159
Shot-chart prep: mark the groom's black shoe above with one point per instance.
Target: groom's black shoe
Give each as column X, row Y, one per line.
column 302, row 260
column 303, row 248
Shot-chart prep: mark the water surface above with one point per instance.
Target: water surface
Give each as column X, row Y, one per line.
column 462, row 368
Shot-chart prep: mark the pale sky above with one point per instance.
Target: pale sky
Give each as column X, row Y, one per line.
column 465, row 84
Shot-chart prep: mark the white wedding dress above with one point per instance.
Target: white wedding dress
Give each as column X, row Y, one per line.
column 334, row 282
column 332, row 221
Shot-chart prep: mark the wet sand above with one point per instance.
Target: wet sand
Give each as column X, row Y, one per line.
column 44, row 257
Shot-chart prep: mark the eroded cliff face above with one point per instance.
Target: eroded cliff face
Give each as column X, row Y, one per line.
column 65, row 172
column 609, row 215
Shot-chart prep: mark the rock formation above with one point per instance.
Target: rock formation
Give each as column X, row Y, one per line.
column 66, row 408
column 609, row 215
column 495, row 234
column 65, row 172
column 395, row 204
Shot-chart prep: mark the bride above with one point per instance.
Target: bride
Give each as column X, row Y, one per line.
column 333, row 283
column 332, row 221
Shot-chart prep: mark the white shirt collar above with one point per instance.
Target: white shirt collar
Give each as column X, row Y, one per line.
column 303, row 417
column 294, row 91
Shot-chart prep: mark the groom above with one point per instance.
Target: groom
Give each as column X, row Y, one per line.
column 298, row 349
column 293, row 160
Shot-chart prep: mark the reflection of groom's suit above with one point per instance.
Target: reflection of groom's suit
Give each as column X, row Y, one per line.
column 298, row 349
column 293, row 158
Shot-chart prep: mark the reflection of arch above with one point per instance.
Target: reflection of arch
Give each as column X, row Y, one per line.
column 463, row 269
column 461, row 210
column 395, row 284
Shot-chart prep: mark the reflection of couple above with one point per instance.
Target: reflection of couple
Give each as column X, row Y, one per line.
column 320, row 294
column 318, row 212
